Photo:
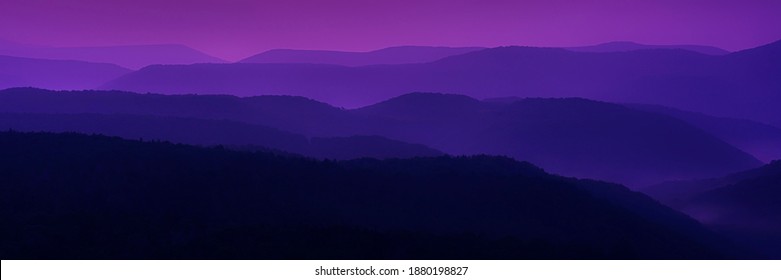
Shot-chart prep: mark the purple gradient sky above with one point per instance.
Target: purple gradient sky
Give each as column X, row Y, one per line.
column 234, row 29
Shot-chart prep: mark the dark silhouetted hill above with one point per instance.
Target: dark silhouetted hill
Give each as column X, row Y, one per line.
column 745, row 205
column 625, row 46
column 751, row 202
column 69, row 196
column 354, row 147
column 55, row 74
column 392, row 55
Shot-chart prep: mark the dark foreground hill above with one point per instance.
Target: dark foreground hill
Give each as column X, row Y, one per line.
column 69, row 196
column 751, row 202
column 745, row 205
column 625, row 46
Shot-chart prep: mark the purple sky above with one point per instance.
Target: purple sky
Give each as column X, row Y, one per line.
column 234, row 29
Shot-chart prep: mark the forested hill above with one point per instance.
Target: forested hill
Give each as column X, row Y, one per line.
column 72, row 196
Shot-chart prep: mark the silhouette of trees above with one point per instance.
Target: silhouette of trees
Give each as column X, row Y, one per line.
column 71, row 196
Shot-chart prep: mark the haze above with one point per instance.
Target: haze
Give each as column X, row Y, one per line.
column 234, row 29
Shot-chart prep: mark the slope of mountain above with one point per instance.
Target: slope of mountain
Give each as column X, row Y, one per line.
column 160, row 201
column 745, row 205
column 741, row 85
column 677, row 193
column 392, row 55
column 424, row 105
column 625, row 46
column 760, row 140
column 354, row 147
column 757, row 71
column 214, row 132
column 751, row 202
column 132, row 57
column 575, row 137
column 55, row 74
column 294, row 114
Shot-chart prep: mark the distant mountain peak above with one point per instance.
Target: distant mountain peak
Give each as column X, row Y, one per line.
column 390, row 55
column 622, row 46
column 434, row 96
column 128, row 56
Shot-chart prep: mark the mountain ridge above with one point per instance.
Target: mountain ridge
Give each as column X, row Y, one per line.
column 743, row 206
column 55, row 74
column 715, row 85
column 390, row 55
column 128, row 56
column 620, row 46
column 576, row 137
